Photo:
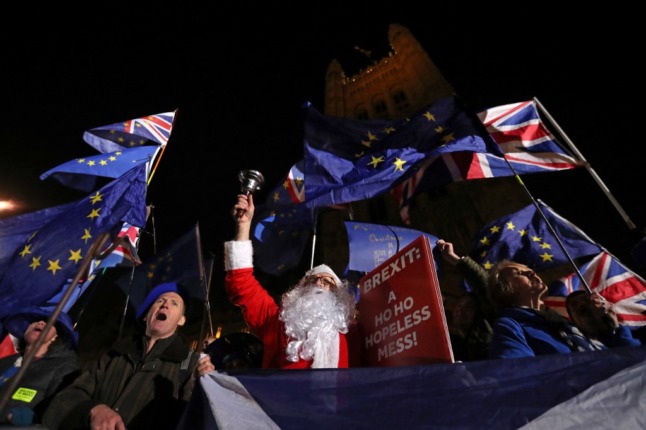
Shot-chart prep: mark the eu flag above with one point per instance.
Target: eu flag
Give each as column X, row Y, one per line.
column 123, row 254
column 15, row 231
column 349, row 159
column 81, row 173
column 53, row 253
column 280, row 236
column 282, row 225
column 524, row 237
column 148, row 130
column 179, row 262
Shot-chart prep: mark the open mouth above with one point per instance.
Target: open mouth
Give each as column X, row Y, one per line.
column 161, row 317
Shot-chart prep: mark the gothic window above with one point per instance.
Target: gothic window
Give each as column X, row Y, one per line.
column 380, row 108
column 400, row 99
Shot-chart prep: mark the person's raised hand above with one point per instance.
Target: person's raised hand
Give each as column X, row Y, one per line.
column 446, row 248
column 244, row 209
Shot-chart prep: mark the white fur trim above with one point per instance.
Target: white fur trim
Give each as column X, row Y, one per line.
column 238, row 254
column 323, row 268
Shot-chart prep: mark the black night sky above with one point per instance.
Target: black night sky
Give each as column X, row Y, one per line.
column 239, row 74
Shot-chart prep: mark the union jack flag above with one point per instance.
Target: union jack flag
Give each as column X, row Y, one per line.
column 607, row 276
column 8, row 345
column 125, row 252
column 148, row 130
column 348, row 160
column 525, row 141
column 527, row 145
column 292, row 189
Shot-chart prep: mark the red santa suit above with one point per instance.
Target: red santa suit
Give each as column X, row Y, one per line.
column 260, row 310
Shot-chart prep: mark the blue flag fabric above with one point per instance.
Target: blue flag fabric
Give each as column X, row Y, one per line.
column 179, row 262
column 148, row 130
column 527, row 144
column 348, row 159
column 54, row 251
column 524, row 237
column 282, row 225
column 81, row 173
column 525, row 141
column 279, row 237
column 15, row 231
column 372, row 244
column 291, row 191
column 123, row 255
column 586, row 390
column 615, row 282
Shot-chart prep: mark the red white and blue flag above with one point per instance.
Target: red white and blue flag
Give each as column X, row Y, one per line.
column 125, row 253
column 525, row 141
column 292, row 190
column 148, row 130
column 527, row 145
column 607, row 276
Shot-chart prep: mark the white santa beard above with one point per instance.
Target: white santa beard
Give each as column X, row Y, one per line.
column 313, row 320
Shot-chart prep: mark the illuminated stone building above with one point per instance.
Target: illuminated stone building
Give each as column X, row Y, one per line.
column 395, row 86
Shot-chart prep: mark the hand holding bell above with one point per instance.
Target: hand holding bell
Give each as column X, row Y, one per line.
column 250, row 182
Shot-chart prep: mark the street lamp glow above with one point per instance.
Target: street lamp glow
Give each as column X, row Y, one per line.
column 6, row 205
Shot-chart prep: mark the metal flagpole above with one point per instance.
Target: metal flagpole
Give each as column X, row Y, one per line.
column 548, row 224
column 348, row 206
column 551, row 228
column 316, row 220
column 206, row 284
column 596, row 177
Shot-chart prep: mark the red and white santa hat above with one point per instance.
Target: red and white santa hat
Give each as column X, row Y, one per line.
column 324, row 268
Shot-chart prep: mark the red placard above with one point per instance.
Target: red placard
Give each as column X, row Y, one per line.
column 401, row 312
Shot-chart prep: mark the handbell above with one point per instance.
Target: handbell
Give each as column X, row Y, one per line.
column 250, row 181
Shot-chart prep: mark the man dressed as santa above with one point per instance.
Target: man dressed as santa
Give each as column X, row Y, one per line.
column 308, row 328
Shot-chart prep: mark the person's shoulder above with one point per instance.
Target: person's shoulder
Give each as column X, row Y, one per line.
column 177, row 348
column 515, row 317
column 125, row 345
column 62, row 353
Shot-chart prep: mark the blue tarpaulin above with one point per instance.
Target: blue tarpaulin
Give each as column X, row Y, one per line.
column 586, row 390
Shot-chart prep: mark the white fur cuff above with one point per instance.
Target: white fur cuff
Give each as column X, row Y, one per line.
column 238, row 254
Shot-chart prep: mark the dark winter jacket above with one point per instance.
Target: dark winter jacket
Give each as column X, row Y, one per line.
column 525, row 332
column 43, row 378
column 149, row 392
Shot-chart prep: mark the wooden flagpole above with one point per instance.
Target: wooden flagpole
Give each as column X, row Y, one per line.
column 589, row 168
column 163, row 148
column 29, row 355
